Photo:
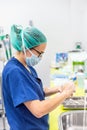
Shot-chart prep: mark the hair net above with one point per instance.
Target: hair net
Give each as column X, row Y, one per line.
column 28, row 38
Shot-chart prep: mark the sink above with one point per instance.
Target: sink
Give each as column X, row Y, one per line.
column 73, row 120
column 75, row 103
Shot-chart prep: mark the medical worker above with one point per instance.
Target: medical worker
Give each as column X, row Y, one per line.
column 23, row 92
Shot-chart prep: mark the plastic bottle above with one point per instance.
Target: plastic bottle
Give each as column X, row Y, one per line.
column 80, row 84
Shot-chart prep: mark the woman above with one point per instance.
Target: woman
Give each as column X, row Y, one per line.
column 23, row 91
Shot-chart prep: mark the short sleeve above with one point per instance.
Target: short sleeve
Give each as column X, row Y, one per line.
column 21, row 87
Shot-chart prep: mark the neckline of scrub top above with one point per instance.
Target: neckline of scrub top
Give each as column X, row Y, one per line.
column 22, row 65
column 28, row 72
column 31, row 73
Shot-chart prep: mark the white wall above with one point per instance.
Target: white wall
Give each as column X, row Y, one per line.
column 79, row 21
column 63, row 21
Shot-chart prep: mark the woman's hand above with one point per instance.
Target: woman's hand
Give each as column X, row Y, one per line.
column 68, row 88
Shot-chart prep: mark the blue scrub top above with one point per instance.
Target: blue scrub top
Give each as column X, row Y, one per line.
column 19, row 86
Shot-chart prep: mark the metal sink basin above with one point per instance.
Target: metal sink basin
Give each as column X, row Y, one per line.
column 75, row 103
column 73, row 120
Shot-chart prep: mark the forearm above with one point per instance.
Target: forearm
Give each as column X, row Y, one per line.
column 44, row 107
column 40, row 108
column 51, row 90
column 50, row 104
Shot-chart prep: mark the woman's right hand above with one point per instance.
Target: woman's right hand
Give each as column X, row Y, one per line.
column 68, row 88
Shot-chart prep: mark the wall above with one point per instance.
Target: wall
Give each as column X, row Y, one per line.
column 63, row 21
column 79, row 21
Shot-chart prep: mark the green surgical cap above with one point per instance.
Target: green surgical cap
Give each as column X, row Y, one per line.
column 28, row 38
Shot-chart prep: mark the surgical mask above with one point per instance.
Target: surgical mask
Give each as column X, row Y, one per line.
column 33, row 60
